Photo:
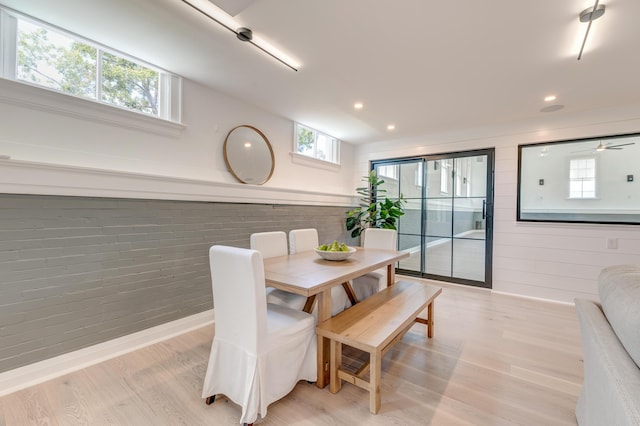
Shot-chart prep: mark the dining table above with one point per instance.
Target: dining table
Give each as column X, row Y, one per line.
column 307, row 274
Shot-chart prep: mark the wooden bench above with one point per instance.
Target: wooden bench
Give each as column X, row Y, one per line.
column 374, row 326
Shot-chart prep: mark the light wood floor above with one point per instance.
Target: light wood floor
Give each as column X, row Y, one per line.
column 494, row 360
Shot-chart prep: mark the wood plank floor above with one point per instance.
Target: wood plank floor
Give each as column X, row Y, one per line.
column 494, row 360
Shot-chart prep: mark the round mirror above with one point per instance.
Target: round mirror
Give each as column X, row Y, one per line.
column 248, row 155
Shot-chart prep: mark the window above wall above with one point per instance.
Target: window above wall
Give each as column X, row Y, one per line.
column 41, row 55
column 317, row 145
column 582, row 178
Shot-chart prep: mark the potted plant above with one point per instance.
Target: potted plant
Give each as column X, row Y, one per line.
column 376, row 210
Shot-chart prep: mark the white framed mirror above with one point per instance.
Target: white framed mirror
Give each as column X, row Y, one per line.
column 249, row 155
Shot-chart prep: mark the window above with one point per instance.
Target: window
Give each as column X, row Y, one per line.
column 390, row 172
column 312, row 143
column 43, row 56
column 418, row 175
column 444, row 177
column 582, row 178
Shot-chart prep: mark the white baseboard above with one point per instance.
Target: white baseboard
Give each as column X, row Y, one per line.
column 539, row 299
column 29, row 375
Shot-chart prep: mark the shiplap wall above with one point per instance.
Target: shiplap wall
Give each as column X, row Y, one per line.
column 551, row 261
column 78, row 271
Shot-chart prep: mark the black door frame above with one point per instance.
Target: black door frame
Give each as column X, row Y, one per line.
column 490, row 178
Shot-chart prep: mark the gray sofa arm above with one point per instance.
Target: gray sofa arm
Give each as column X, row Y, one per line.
column 611, row 391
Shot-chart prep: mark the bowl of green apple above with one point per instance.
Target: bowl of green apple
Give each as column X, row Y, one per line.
column 335, row 251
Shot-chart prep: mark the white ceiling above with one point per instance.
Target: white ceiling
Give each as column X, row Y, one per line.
column 428, row 67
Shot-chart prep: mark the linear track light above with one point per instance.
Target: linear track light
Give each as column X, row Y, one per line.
column 242, row 33
column 589, row 15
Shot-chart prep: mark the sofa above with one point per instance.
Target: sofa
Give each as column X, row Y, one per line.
column 610, row 332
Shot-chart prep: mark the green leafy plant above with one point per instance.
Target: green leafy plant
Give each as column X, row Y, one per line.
column 375, row 209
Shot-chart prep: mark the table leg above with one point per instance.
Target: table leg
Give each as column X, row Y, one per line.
column 351, row 294
column 324, row 313
column 430, row 314
column 391, row 274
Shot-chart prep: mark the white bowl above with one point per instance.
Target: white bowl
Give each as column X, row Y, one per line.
column 335, row 255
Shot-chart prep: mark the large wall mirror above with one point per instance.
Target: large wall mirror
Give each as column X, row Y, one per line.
column 248, row 155
column 594, row 180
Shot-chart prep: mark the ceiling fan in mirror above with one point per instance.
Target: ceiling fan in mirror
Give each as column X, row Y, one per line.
column 604, row 147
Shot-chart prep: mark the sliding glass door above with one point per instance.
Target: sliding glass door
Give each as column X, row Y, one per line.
column 447, row 226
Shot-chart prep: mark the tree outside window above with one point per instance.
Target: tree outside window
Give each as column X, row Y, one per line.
column 315, row 144
column 51, row 59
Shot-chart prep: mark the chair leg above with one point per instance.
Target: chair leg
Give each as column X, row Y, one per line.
column 210, row 400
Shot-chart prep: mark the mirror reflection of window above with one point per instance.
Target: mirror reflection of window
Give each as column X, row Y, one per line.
column 582, row 178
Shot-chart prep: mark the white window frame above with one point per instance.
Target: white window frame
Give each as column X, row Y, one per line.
column 169, row 85
column 583, row 180
column 314, row 151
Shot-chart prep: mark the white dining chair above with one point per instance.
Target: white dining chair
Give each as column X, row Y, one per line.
column 273, row 244
column 369, row 284
column 259, row 351
column 306, row 240
column 269, row 244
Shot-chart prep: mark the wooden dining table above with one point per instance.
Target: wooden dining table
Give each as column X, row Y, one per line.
column 307, row 274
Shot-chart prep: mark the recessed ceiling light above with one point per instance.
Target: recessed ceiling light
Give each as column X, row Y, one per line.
column 358, row 105
column 550, row 98
column 391, row 127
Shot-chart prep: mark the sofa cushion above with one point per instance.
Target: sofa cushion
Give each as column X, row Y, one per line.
column 619, row 288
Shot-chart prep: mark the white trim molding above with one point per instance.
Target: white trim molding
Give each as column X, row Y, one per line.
column 305, row 160
column 30, row 375
column 27, row 177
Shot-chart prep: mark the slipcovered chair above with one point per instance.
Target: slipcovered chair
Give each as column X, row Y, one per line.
column 306, row 240
column 369, row 284
column 303, row 240
column 270, row 244
column 259, row 351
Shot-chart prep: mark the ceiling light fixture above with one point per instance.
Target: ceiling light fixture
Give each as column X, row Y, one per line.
column 589, row 15
column 391, row 127
column 244, row 34
column 550, row 98
column 358, row 105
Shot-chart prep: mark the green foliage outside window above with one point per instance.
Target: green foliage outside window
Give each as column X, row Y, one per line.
column 306, row 139
column 62, row 63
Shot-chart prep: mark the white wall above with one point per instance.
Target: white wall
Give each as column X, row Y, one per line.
column 543, row 260
column 68, row 146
